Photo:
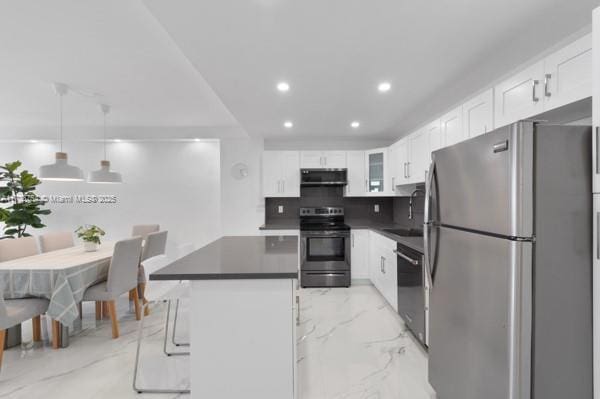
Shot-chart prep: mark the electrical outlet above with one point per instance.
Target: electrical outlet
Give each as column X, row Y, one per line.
column 280, row 209
column 376, row 208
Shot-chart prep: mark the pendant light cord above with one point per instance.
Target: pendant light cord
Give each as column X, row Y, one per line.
column 105, row 137
column 60, row 118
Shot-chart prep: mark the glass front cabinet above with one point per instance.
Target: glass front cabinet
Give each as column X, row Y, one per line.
column 376, row 171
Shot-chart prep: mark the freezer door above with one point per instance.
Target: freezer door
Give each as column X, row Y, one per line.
column 480, row 317
column 485, row 183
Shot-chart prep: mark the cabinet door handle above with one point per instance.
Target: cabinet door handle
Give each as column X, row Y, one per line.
column 279, row 186
column 367, row 185
column 352, row 240
column 393, row 184
column 534, row 97
column 283, row 186
column 404, row 165
column 547, row 85
column 408, row 170
column 325, row 160
column 383, row 264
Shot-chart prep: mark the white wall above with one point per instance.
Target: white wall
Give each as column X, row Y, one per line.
column 242, row 203
column 175, row 184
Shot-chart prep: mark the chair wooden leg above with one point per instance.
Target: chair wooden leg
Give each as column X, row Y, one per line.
column 36, row 324
column 105, row 311
column 131, row 295
column 98, row 310
column 55, row 334
column 136, row 303
column 142, row 291
column 2, row 338
column 112, row 310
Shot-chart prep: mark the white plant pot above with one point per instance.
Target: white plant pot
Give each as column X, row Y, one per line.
column 90, row 246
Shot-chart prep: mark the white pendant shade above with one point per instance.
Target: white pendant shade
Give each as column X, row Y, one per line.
column 104, row 174
column 60, row 170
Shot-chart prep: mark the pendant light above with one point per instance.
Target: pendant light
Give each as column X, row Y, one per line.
column 104, row 174
column 60, row 170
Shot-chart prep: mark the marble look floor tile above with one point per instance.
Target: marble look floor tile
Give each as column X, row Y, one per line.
column 351, row 345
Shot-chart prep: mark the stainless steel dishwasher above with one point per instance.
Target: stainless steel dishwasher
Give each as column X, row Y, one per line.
column 412, row 291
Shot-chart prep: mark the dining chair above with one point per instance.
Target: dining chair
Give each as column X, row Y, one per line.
column 13, row 248
column 55, row 241
column 16, row 311
column 142, row 230
column 122, row 278
column 159, row 291
column 156, row 244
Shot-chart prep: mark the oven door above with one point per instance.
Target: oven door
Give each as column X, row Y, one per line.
column 325, row 251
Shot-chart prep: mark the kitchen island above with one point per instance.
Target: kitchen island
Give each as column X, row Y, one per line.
column 242, row 307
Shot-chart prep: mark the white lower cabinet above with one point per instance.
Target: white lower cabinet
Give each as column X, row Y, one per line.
column 383, row 267
column 359, row 254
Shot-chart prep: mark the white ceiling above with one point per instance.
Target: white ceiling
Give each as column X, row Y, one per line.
column 114, row 48
column 197, row 68
column 334, row 52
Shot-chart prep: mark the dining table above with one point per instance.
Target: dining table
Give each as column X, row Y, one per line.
column 61, row 276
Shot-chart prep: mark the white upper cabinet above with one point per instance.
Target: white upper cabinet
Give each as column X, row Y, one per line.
column 520, row 96
column 451, row 128
column 478, row 115
column 568, row 74
column 377, row 171
column 419, row 154
column 559, row 79
column 398, row 160
column 357, row 181
column 281, row 174
column 323, row 159
column 435, row 135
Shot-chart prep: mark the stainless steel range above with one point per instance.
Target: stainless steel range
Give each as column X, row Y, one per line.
column 325, row 248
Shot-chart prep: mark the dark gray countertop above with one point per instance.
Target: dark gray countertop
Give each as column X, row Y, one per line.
column 415, row 243
column 270, row 257
column 292, row 224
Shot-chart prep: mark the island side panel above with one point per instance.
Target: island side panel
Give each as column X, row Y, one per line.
column 242, row 339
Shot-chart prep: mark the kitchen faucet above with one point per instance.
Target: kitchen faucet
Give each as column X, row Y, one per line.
column 410, row 202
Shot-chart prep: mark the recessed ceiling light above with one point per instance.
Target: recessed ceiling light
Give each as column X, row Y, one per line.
column 196, row 139
column 33, row 141
column 283, row 86
column 355, row 124
column 288, row 124
column 117, row 140
column 384, row 87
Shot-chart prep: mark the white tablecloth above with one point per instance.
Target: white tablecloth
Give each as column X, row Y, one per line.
column 60, row 276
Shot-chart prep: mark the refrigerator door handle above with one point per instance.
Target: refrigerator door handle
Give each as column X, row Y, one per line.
column 597, row 149
column 598, row 235
column 428, row 187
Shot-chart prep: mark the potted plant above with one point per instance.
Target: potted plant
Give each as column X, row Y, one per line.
column 20, row 206
column 90, row 234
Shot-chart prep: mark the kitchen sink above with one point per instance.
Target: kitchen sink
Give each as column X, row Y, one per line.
column 405, row 232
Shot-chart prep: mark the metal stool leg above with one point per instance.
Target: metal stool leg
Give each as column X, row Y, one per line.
column 137, row 361
column 175, row 327
column 167, row 334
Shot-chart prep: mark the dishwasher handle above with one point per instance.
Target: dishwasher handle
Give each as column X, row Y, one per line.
column 407, row 258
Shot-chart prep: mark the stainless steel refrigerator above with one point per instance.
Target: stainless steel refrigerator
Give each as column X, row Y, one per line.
column 508, row 256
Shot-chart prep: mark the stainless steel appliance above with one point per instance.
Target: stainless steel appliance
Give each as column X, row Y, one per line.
column 323, row 177
column 508, row 253
column 412, row 290
column 324, row 248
